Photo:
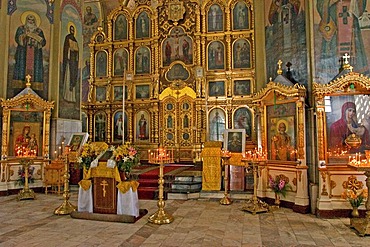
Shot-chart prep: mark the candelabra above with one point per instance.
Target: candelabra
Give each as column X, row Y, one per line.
column 253, row 159
column 225, row 156
column 160, row 156
column 26, row 193
column 66, row 207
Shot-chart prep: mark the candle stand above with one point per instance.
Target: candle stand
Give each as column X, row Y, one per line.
column 26, row 193
column 66, row 207
column 160, row 157
column 254, row 205
column 362, row 225
column 225, row 156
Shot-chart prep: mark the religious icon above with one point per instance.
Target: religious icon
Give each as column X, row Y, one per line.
column 177, row 47
column 243, row 120
column 100, row 127
column 234, row 140
column 120, row 28
column 281, row 132
column 77, row 140
column 142, row 62
column 142, row 130
column 215, row 19
column 177, row 72
column 143, row 25
column 217, row 124
column 216, row 55
column 101, row 93
column 241, row 54
column 120, row 126
column 120, row 59
column 242, row 87
column 118, row 93
column 142, row 91
column 101, row 63
column 347, row 119
column 240, row 16
column 216, row 88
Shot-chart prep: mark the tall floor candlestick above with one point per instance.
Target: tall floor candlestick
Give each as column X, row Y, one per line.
column 255, row 205
column 26, row 193
column 66, row 207
column 225, row 162
column 161, row 217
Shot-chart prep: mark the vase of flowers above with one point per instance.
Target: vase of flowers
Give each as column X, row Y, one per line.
column 355, row 198
column 127, row 157
column 90, row 152
column 280, row 185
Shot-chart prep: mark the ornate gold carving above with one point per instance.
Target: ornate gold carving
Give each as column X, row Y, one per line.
column 352, row 183
column 176, row 10
column 294, row 181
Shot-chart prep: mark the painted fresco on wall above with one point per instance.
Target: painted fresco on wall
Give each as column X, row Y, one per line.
column 29, row 47
column 215, row 19
column 240, row 16
column 241, row 54
column 216, row 55
column 70, row 79
column 120, row 28
column 243, row 120
column 143, row 25
column 340, row 27
column 121, row 59
column 142, row 60
column 286, row 37
column 91, row 22
column 177, row 47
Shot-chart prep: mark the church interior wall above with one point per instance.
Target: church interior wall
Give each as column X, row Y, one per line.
column 299, row 39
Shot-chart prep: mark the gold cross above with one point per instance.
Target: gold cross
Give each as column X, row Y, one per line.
column 280, row 71
column 104, row 183
column 28, row 78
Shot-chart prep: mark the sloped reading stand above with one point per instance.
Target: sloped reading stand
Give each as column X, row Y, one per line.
column 104, row 197
column 25, row 136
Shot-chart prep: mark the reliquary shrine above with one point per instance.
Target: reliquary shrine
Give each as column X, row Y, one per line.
column 25, row 139
column 184, row 70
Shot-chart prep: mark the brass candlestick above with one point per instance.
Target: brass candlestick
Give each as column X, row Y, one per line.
column 225, row 162
column 161, row 217
column 26, row 193
column 66, row 207
column 254, row 205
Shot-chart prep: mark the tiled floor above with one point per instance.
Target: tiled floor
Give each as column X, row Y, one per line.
column 197, row 223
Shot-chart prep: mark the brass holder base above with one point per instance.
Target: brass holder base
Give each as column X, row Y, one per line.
column 26, row 194
column 255, row 207
column 226, row 200
column 361, row 225
column 160, row 217
column 66, row 207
